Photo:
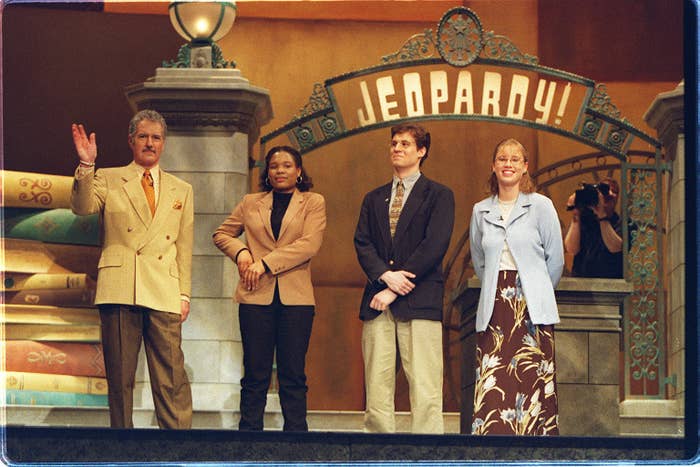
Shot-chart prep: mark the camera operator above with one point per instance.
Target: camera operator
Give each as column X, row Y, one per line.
column 595, row 233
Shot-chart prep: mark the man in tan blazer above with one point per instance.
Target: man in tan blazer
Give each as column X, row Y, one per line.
column 144, row 272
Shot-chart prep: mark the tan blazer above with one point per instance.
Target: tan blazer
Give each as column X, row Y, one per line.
column 146, row 260
column 288, row 258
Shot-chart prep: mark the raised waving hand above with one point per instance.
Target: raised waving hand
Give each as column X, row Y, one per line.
column 85, row 146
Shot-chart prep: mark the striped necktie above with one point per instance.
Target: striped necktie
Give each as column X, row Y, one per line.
column 395, row 210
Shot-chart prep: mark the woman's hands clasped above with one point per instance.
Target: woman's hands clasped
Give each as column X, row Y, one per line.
column 249, row 270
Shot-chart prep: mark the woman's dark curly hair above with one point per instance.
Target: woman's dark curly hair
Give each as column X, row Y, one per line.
column 304, row 185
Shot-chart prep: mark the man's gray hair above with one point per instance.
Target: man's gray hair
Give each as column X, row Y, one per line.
column 151, row 116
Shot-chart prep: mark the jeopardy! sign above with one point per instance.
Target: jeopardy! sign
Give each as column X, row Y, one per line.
column 480, row 76
column 444, row 91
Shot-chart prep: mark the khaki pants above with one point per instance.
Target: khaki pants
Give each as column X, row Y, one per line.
column 420, row 348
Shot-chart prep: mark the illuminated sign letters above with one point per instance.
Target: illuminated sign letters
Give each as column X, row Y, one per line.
column 433, row 93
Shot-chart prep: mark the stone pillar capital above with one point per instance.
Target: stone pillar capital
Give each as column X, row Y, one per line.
column 191, row 98
column 666, row 115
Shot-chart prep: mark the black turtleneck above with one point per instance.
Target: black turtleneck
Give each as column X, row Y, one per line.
column 280, row 203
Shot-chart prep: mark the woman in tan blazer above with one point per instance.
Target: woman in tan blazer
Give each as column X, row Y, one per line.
column 283, row 228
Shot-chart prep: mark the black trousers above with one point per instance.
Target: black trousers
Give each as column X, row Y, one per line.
column 264, row 329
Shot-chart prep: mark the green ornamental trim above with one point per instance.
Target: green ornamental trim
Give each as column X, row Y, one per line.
column 461, row 42
column 185, row 53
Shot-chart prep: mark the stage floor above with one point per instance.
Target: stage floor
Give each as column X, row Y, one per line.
column 86, row 445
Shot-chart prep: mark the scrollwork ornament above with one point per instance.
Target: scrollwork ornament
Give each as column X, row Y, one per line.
column 38, row 191
column 645, row 351
column 417, row 47
column 217, row 58
column 182, row 60
column 47, row 357
column 318, row 101
column 497, row 47
column 600, row 101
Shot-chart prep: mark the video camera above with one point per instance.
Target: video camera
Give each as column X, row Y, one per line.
column 587, row 196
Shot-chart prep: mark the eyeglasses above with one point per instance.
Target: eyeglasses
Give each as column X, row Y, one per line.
column 502, row 160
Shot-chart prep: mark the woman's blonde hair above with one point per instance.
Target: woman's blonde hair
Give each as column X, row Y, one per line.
column 527, row 185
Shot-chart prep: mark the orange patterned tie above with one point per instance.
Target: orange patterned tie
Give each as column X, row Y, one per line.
column 395, row 210
column 147, row 183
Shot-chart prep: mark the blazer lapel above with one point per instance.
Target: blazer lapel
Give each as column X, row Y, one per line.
column 134, row 192
column 166, row 197
column 410, row 207
column 293, row 209
column 493, row 216
column 265, row 211
column 381, row 207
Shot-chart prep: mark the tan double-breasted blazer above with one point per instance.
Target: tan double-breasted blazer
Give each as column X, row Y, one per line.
column 288, row 257
column 146, row 259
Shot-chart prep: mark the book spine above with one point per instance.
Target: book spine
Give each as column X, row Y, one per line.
column 36, row 190
column 53, row 333
column 50, row 382
column 64, row 358
column 52, row 297
column 32, row 256
column 15, row 281
column 34, row 314
column 52, row 225
column 55, row 399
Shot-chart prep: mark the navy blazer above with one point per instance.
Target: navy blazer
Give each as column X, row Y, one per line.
column 420, row 242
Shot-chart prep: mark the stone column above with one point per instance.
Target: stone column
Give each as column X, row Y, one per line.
column 214, row 117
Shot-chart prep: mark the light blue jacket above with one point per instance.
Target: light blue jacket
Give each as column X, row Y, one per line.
column 535, row 241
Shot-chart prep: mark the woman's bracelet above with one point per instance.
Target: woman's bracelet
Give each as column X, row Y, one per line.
column 87, row 164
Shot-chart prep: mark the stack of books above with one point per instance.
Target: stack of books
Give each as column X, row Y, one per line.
column 52, row 350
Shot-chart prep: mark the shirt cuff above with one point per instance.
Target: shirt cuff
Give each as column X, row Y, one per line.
column 185, row 298
column 84, row 171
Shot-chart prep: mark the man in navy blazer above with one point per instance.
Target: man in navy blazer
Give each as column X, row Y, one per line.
column 401, row 238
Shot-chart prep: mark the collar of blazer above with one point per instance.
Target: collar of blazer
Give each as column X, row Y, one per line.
column 493, row 213
column 265, row 209
column 137, row 197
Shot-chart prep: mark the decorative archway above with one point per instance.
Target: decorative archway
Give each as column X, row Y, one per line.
column 461, row 72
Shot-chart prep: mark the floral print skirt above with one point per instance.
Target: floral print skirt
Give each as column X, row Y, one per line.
column 515, row 391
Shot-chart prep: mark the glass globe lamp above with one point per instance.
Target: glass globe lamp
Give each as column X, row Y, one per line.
column 202, row 23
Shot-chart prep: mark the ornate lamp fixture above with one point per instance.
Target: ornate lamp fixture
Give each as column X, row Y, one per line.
column 202, row 23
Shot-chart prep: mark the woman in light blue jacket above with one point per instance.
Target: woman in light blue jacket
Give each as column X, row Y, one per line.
column 517, row 252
